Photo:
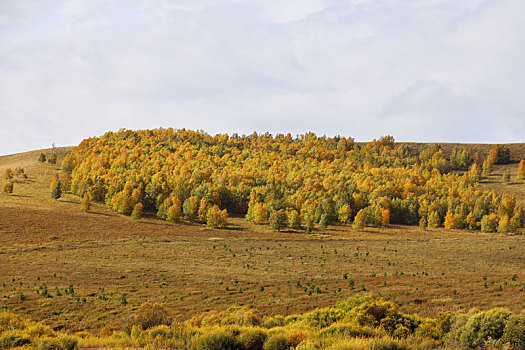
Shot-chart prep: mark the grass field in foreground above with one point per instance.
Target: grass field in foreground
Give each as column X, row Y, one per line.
column 191, row 269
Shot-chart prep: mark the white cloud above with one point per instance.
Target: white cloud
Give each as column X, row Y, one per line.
column 362, row 68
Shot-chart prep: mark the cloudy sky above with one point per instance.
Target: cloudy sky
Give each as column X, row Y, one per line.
column 420, row 70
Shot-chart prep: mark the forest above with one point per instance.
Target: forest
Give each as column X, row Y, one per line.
column 288, row 182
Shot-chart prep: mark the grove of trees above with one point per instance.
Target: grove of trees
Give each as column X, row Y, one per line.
column 285, row 181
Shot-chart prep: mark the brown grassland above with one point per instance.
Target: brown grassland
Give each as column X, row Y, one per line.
column 191, row 268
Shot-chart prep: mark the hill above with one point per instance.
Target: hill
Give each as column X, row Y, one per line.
column 102, row 255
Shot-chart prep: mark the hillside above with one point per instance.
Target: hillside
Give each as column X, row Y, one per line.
column 104, row 255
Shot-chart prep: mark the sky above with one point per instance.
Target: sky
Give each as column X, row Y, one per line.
column 420, row 70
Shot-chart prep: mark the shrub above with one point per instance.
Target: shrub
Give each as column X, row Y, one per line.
column 149, row 315
column 276, row 342
column 506, row 177
column 218, row 341
column 7, row 187
column 483, row 326
column 12, row 340
column 253, row 339
column 347, row 330
column 514, row 333
column 386, row 343
column 42, row 158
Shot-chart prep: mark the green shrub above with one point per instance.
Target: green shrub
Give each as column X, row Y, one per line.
column 13, row 339
column 514, row 333
column 484, row 325
column 347, row 330
column 148, row 316
column 489, row 223
column 322, row 318
column 276, row 342
column 386, row 343
column 218, row 341
column 253, row 339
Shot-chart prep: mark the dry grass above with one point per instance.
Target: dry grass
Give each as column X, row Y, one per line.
column 193, row 269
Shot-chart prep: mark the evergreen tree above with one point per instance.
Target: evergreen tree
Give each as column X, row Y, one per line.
column 42, row 158
column 52, row 159
column 56, row 192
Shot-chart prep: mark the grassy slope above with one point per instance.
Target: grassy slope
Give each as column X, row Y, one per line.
column 188, row 267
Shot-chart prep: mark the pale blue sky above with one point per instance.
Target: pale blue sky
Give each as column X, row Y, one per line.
column 420, row 70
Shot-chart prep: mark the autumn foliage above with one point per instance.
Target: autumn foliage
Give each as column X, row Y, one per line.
column 302, row 180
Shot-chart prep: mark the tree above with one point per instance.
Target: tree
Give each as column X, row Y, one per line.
column 56, row 192
column 506, row 177
column 278, row 220
column 504, row 225
column 294, row 220
column 85, row 204
column 345, row 213
column 54, row 181
column 260, row 213
column 451, row 221
column 470, row 221
column 487, row 167
column 190, row 208
column 360, row 219
column 521, row 170
column 434, row 221
column 136, row 214
column 475, row 172
column 203, row 208
column 215, row 217
column 52, row 159
column 385, row 217
column 174, row 212
column 42, row 158
column 7, row 187
column 489, row 223
column 8, row 174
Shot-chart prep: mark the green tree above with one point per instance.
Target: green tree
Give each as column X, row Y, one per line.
column 506, row 177
column 489, row 223
column 42, row 158
column 278, row 220
column 294, row 220
column 56, row 192
column 190, row 208
column 52, row 159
